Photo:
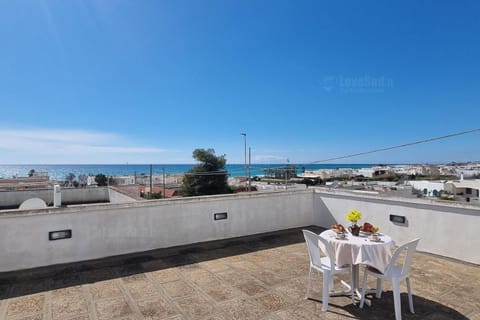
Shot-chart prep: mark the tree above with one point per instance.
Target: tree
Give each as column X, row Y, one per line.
column 83, row 180
column 112, row 181
column 101, row 179
column 207, row 177
column 69, row 179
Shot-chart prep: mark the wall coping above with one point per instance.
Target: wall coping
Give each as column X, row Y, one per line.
column 145, row 203
column 413, row 202
column 454, row 207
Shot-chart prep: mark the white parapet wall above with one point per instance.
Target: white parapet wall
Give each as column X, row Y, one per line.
column 104, row 230
column 446, row 229
column 69, row 195
column 112, row 229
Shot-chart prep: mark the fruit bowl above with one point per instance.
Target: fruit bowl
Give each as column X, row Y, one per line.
column 368, row 229
column 338, row 228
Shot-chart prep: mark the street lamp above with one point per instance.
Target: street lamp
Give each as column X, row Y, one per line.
column 245, row 145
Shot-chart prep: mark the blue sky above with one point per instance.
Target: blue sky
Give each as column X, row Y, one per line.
column 149, row 81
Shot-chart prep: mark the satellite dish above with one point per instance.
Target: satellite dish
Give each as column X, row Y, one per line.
column 33, row 203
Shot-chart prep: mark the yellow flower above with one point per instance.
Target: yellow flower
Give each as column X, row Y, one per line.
column 354, row 215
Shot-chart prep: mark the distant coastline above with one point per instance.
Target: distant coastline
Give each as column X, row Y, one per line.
column 59, row 171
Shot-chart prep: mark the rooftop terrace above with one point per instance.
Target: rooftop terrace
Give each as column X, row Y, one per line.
column 253, row 277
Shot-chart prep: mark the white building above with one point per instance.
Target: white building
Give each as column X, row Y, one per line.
column 408, row 170
column 467, row 189
column 123, row 180
column 432, row 187
column 468, row 172
column 366, row 172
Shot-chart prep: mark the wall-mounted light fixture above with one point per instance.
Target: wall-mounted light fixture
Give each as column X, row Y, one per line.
column 220, row 216
column 398, row 219
column 60, row 234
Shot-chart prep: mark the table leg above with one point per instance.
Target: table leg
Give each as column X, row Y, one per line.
column 356, row 284
column 356, row 276
column 347, row 285
column 356, row 280
column 355, row 291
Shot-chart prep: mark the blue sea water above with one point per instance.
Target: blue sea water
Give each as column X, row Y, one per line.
column 59, row 171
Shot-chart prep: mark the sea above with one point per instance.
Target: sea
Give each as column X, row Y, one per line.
column 60, row 171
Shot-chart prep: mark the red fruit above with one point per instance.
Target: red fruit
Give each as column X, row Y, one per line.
column 366, row 227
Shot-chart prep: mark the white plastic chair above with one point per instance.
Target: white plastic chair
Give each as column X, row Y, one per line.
column 394, row 272
column 326, row 265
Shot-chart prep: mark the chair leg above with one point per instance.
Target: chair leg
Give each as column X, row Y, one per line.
column 410, row 299
column 364, row 286
column 309, row 282
column 379, row 288
column 325, row 294
column 396, row 299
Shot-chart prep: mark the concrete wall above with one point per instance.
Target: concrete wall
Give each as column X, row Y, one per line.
column 112, row 229
column 450, row 230
column 12, row 199
column 86, row 195
column 117, row 197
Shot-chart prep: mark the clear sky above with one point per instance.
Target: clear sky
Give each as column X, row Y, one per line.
column 148, row 81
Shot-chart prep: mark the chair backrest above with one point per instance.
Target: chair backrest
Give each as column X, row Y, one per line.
column 318, row 247
column 409, row 247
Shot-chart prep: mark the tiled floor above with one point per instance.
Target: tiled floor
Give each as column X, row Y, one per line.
column 261, row 277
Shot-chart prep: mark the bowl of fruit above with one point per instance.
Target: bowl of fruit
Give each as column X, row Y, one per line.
column 369, row 229
column 338, row 228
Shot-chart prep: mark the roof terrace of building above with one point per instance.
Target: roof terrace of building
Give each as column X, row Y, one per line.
column 253, row 277
column 248, row 272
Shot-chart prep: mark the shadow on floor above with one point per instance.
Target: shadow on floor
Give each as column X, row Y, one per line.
column 383, row 308
column 24, row 282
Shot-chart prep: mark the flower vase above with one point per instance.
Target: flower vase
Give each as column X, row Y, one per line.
column 354, row 229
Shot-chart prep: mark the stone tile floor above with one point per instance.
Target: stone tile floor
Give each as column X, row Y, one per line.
column 257, row 277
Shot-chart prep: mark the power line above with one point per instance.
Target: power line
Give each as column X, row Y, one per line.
column 257, row 167
column 398, row 146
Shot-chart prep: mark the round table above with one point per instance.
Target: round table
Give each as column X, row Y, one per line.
column 360, row 250
column 356, row 250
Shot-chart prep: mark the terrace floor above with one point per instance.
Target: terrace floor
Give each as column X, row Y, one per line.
column 256, row 277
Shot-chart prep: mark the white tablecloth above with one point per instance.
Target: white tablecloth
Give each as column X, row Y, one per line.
column 360, row 250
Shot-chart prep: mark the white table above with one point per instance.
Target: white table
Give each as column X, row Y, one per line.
column 356, row 250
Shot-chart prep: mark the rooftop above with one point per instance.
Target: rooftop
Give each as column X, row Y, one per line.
column 253, row 277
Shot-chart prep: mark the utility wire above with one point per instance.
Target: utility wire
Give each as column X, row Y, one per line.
column 256, row 167
column 390, row 148
column 399, row 146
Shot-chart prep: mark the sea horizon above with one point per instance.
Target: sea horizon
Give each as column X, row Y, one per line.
column 60, row 171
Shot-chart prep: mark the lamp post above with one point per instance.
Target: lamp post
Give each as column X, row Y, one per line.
column 249, row 172
column 151, row 184
column 163, row 179
column 245, row 145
